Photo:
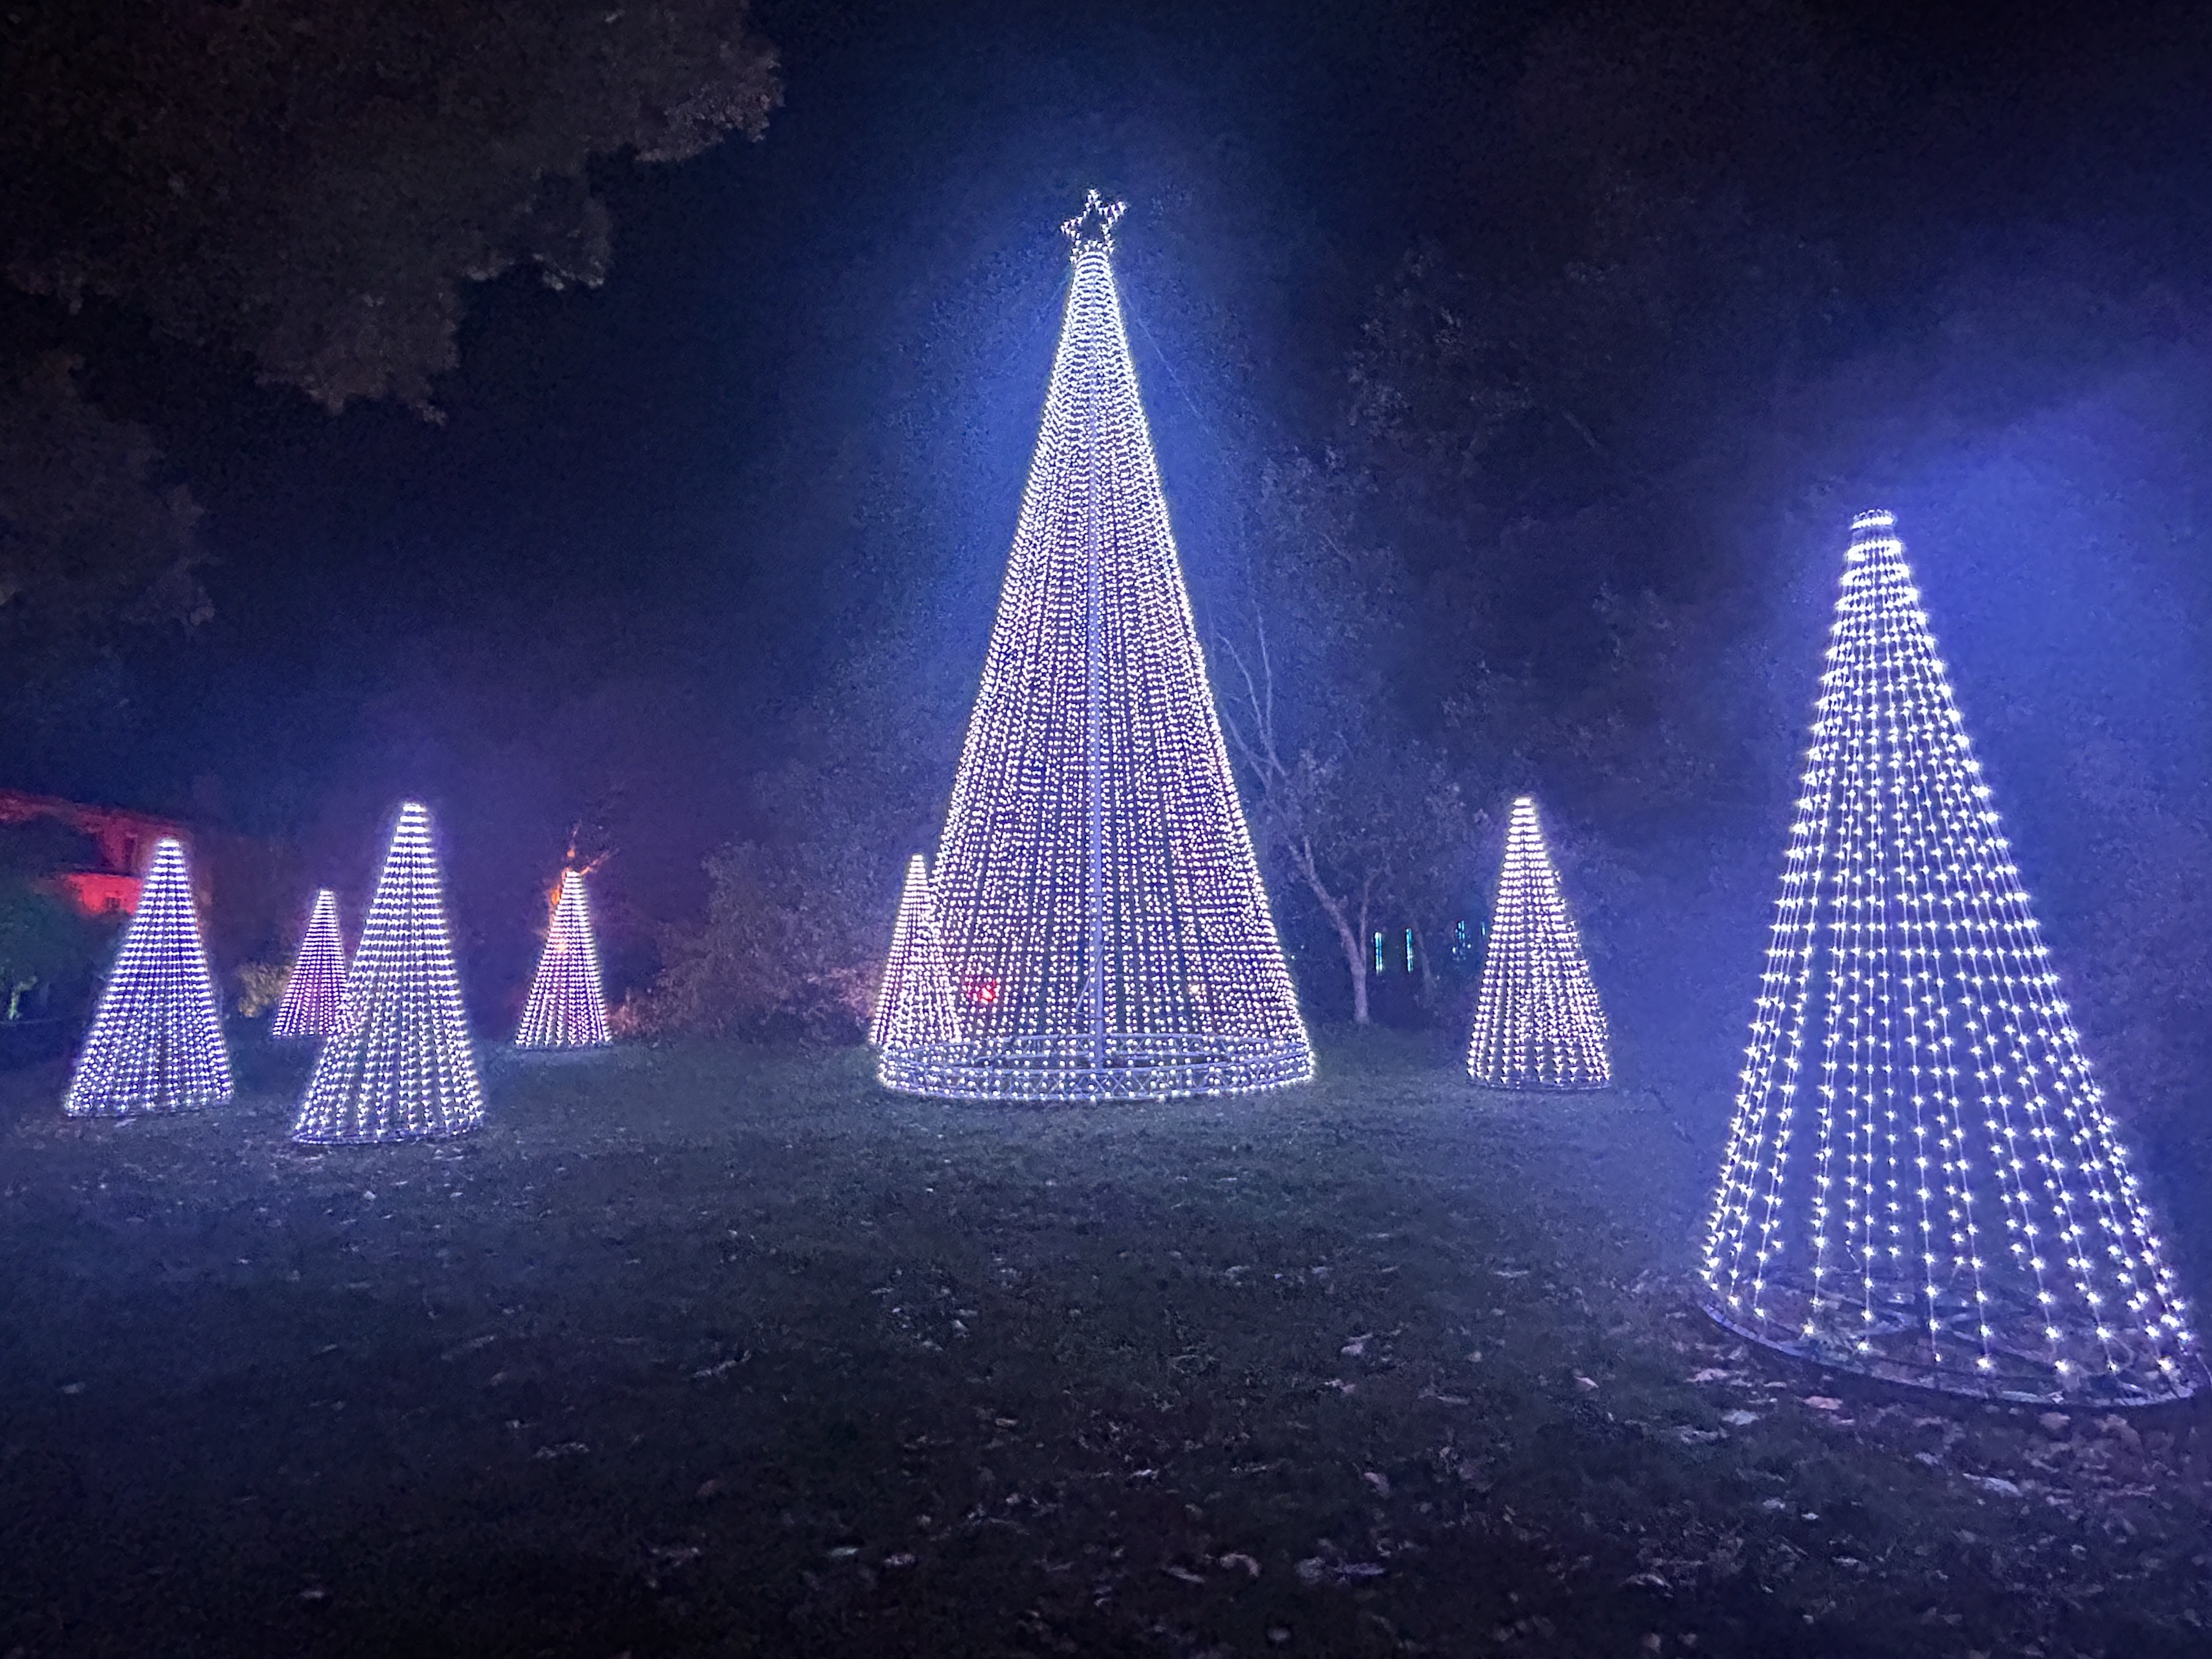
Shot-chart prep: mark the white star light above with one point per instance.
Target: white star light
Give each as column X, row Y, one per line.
column 1094, row 226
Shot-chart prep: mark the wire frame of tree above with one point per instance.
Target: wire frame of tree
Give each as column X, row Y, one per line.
column 1922, row 1181
column 1107, row 933
column 402, row 1066
column 155, row 1043
column 568, row 1005
column 312, row 995
column 1537, row 1021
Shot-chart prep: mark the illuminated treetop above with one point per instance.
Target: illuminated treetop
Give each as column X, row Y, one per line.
column 1102, row 910
column 1921, row 1180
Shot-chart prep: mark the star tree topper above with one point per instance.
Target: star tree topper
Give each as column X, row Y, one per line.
column 1095, row 224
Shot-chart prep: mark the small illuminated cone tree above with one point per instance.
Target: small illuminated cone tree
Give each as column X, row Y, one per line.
column 401, row 1066
column 1922, row 1181
column 916, row 1009
column 310, row 1006
column 155, row 1043
column 1102, row 912
column 568, row 1008
column 1537, row 1022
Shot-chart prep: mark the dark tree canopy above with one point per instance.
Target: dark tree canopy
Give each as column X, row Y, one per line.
column 90, row 530
column 310, row 183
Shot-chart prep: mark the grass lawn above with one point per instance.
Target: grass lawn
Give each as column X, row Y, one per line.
column 724, row 1350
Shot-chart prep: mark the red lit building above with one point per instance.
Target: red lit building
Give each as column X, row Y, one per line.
column 124, row 842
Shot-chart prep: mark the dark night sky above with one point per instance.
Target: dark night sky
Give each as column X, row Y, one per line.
column 598, row 586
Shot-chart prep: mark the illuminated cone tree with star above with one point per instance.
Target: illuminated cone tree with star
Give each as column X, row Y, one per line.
column 1922, row 1181
column 1103, row 918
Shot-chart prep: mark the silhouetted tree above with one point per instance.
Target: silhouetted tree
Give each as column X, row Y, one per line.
column 312, row 183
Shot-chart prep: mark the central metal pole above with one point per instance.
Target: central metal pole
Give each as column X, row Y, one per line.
column 1094, row 722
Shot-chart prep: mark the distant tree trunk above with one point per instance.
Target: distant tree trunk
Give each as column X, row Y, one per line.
column 1350, row 931
column 1428, row 967
column 1291, row 801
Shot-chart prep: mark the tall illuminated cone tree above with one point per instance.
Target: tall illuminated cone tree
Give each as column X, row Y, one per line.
column 400, row 1066
column 1922, row 1181
column 310, row 1006
column 567, row 1006
column 1537, row 1022
column 1101, row 909
column 155, row 1043
column 915, row 1009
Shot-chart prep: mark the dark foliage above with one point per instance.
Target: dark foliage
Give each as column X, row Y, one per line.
column 311, row 183
column 91, row 530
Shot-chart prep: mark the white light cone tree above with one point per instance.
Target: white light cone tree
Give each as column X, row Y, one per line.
column 310, row 1005
column 915, row 1010
column 1537, row 1021
column 401, row 1066
column 1922, row 1181
column 1107, row 933
column 155, row 1043
column 568, row 1005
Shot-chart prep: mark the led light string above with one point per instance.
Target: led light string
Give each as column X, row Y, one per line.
column 155, row 1043
column 402, row 1065
column 1106, row 932
column 1538, row 1024
column 1903, row 932
column 915, row 1009
column 568, row 1006
column 310, row 1004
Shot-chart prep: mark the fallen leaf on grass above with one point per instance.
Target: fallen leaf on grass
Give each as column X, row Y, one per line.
column 1316, row 1570
column 1821, row 1402
column 1238, row 1558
